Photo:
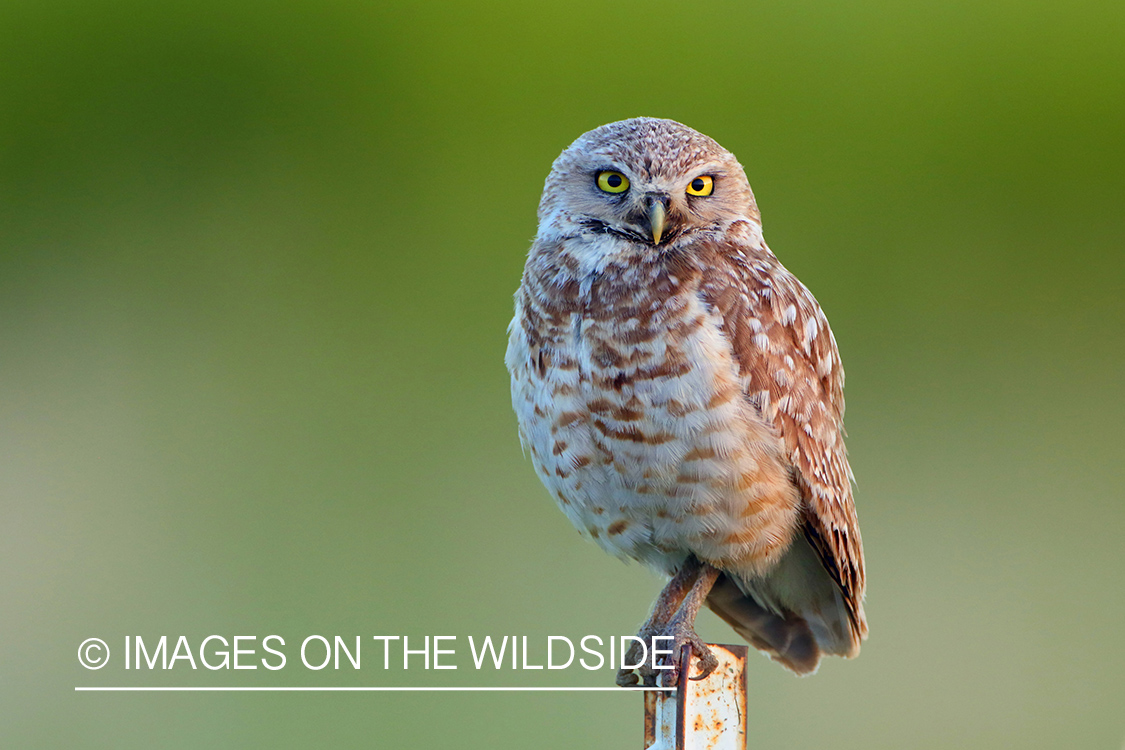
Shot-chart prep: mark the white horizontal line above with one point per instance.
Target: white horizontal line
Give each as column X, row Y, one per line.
column 380, row 689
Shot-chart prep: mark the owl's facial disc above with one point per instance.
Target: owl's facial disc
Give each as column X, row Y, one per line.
column 656, row 184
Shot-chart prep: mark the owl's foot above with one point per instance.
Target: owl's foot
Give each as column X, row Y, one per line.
column 673, row 617
column 683, row 634
column 644, row 674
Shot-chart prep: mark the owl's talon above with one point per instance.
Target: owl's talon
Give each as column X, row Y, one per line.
column 684, row 635
column 626, row 678
column 707, row 664
column 643, row 674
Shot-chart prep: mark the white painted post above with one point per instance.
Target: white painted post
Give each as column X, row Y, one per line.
column 707, row 714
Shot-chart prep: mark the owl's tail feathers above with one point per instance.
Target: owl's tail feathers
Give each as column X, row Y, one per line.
column 786, row 638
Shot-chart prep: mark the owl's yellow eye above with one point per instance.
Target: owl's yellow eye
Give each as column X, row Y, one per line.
column 613, row 182
column 702, row 185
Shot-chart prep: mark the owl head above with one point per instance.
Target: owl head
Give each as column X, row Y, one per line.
column 653, row 183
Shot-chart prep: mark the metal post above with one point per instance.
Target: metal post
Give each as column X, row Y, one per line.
column 707, row 714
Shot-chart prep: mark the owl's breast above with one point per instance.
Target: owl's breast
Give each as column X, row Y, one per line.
column 630, row 403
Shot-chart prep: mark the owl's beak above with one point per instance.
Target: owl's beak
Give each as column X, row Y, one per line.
column 657, row 218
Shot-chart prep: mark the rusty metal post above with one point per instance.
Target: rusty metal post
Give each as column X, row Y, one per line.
column 705, row 714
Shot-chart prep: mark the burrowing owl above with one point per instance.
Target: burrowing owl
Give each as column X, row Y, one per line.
column 681, row 394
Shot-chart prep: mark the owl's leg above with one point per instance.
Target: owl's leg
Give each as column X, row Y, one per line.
column 682, row 626
column 665, row 610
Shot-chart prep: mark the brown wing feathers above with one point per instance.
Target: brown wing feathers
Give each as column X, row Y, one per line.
column 792, row 373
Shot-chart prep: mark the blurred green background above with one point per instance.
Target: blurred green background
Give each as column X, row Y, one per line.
column 256, row 264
